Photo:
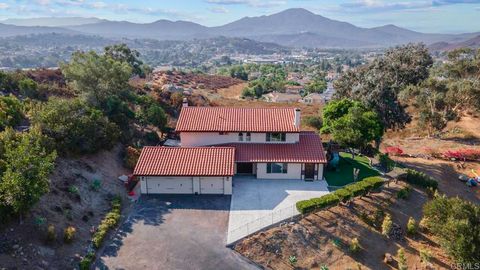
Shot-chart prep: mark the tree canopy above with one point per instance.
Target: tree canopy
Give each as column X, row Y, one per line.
column 351, row 124
column 378, row 84
column 122, row 53
column 96, row 77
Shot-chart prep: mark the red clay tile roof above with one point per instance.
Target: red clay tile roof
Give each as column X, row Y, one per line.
column 186, row 161
column 308, row 150
column 227, row 119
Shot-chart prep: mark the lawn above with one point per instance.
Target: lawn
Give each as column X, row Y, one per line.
column 344, row 173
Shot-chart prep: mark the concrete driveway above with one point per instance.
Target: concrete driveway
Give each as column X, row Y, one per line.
column 258, row 203
column 174, row 232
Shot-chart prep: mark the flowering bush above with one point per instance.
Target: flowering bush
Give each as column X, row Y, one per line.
column 394, row 150
column 463, row 154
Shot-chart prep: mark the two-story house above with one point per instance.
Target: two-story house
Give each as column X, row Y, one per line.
column 218, row 143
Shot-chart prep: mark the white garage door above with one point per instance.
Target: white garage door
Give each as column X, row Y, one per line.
column 211, row 185
column 170, row 185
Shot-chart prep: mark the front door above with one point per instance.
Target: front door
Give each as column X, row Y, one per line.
column 309, row 171
column 245, row 168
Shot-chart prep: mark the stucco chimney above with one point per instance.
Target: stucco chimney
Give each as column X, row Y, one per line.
column 297, row 117
column 185, row 102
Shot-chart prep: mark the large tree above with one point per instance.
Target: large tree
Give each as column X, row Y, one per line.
column 96, row 77
column 122, row 53
column 25, row 164
column 378, row 84
column 351, row 124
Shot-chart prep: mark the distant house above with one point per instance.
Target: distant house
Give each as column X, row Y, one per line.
column 219, row 143
column 294, row 89
column 313, row 98
column 281, row 97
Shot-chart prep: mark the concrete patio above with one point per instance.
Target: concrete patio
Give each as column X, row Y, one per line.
column 258, row 203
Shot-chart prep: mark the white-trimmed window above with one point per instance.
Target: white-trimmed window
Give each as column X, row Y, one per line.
column 248, row 138
column 240, row 136
column 276, row 137
column 277, row 168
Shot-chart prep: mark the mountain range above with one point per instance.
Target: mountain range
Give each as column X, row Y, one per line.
column 292, row 27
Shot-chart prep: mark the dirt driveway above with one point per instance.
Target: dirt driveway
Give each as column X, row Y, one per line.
column 174, row 232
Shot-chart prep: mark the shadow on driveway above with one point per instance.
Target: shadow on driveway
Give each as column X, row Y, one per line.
column 174, row 232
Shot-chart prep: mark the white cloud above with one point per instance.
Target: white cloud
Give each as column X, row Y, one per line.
column 4, row 6
column 251, row 3
column 221, row 10
column 99, row 5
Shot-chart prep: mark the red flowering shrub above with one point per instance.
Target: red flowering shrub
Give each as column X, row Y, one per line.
column 394, row 150
column 463, row 154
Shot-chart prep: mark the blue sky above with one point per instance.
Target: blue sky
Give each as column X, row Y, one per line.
column 447, row 16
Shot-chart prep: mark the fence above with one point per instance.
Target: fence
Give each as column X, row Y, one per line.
column 260, row 223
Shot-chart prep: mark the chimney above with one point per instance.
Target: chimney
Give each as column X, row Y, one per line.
column 185, row 103
column 296, row 121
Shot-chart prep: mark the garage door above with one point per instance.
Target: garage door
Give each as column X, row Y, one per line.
column 170, row 185
column 211, row 185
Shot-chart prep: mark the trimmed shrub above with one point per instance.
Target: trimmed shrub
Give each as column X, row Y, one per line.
column 109, row 222
column 387, row 225
column 355, row 245
column 402, row 261
column 420, row 179
column 343, row 194
column 404, row 193
column 373, row 182
column 386, row 162
column 411, row 226
column 69, row 234
column 51, row 235
column 327, row 200
column 87, row 261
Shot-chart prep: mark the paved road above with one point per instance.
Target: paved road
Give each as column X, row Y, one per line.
column 174, row 232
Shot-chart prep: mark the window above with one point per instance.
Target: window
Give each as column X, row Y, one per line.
column 249, row 137
column 277, row 167
column 276, row 137
column 240, row 137
column 222, row 133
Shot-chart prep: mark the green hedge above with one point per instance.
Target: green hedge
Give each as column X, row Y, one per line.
column 340, row 195
column 109, row 222
column 419, row 178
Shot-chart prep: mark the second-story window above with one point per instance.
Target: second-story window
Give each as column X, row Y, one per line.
column 276, row 137
column 240, row 137
column 248, row 138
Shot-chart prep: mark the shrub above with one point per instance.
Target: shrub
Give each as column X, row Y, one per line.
column 51, row 235
column 404, row 193
column 69, row 234
column 10, row 111
column 75, row 127
column 387, row 225
column 87, row 261
column 110, row 221
column 402, row 261
column 317, row 203
column 411, row 226
column 419, row 178
column 425, row 255
column 343, row 194
column 313, row 121
column 385, row 161
column 96, row 184
column 292, row 259
column 131, row 157
column 73, row 189
column 455, row 222
column 373, row 182
column 354, row 245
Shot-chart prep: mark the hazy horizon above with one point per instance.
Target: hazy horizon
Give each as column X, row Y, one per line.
column 438, row 16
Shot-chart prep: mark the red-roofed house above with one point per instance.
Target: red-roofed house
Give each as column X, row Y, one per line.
column 219, row 142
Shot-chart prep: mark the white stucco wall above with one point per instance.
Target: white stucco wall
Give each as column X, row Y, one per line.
column 193, row 139
column 294, row 171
